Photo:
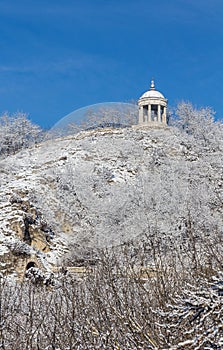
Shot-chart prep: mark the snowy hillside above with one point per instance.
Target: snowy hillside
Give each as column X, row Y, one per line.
column 104, row 187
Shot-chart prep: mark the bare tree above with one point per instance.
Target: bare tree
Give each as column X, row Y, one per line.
column 17, row 132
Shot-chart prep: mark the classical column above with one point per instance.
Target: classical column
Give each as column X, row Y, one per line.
column 140, row 114
column 159, row 114
column 149, row 113
column 164, row 115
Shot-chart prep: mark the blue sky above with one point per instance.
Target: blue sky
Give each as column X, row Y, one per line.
column 58, row 56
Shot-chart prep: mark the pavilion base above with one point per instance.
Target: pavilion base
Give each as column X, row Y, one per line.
column 151, row 125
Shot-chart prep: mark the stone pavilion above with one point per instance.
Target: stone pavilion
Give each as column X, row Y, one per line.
column 152, row 108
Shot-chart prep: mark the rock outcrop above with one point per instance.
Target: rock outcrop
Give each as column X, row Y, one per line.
column 24, row 234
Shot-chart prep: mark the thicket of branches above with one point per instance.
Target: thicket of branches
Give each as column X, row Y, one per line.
column 17, row 132
column 120, row 116
column 120, row 304
column 113, row 117
column 200, row 124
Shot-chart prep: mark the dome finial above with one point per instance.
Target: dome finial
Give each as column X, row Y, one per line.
column 152, row 86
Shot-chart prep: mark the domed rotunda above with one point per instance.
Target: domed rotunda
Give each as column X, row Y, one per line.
column 152, row 108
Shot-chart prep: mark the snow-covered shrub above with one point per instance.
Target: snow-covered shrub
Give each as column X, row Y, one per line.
column 18, row 248
column 38, row 277
column 15, row 198
column 199, row 124
column 194, row 318
column 17, row 132
column 119, row 304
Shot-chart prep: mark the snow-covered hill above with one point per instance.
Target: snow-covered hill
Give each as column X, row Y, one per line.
column 104, row 187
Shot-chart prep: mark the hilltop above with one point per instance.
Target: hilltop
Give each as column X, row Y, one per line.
column 138, row 211
column 65, row 198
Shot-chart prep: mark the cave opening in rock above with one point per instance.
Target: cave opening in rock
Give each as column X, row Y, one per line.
column 30, row 264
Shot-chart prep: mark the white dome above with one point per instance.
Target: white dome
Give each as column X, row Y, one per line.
column 152, row 94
